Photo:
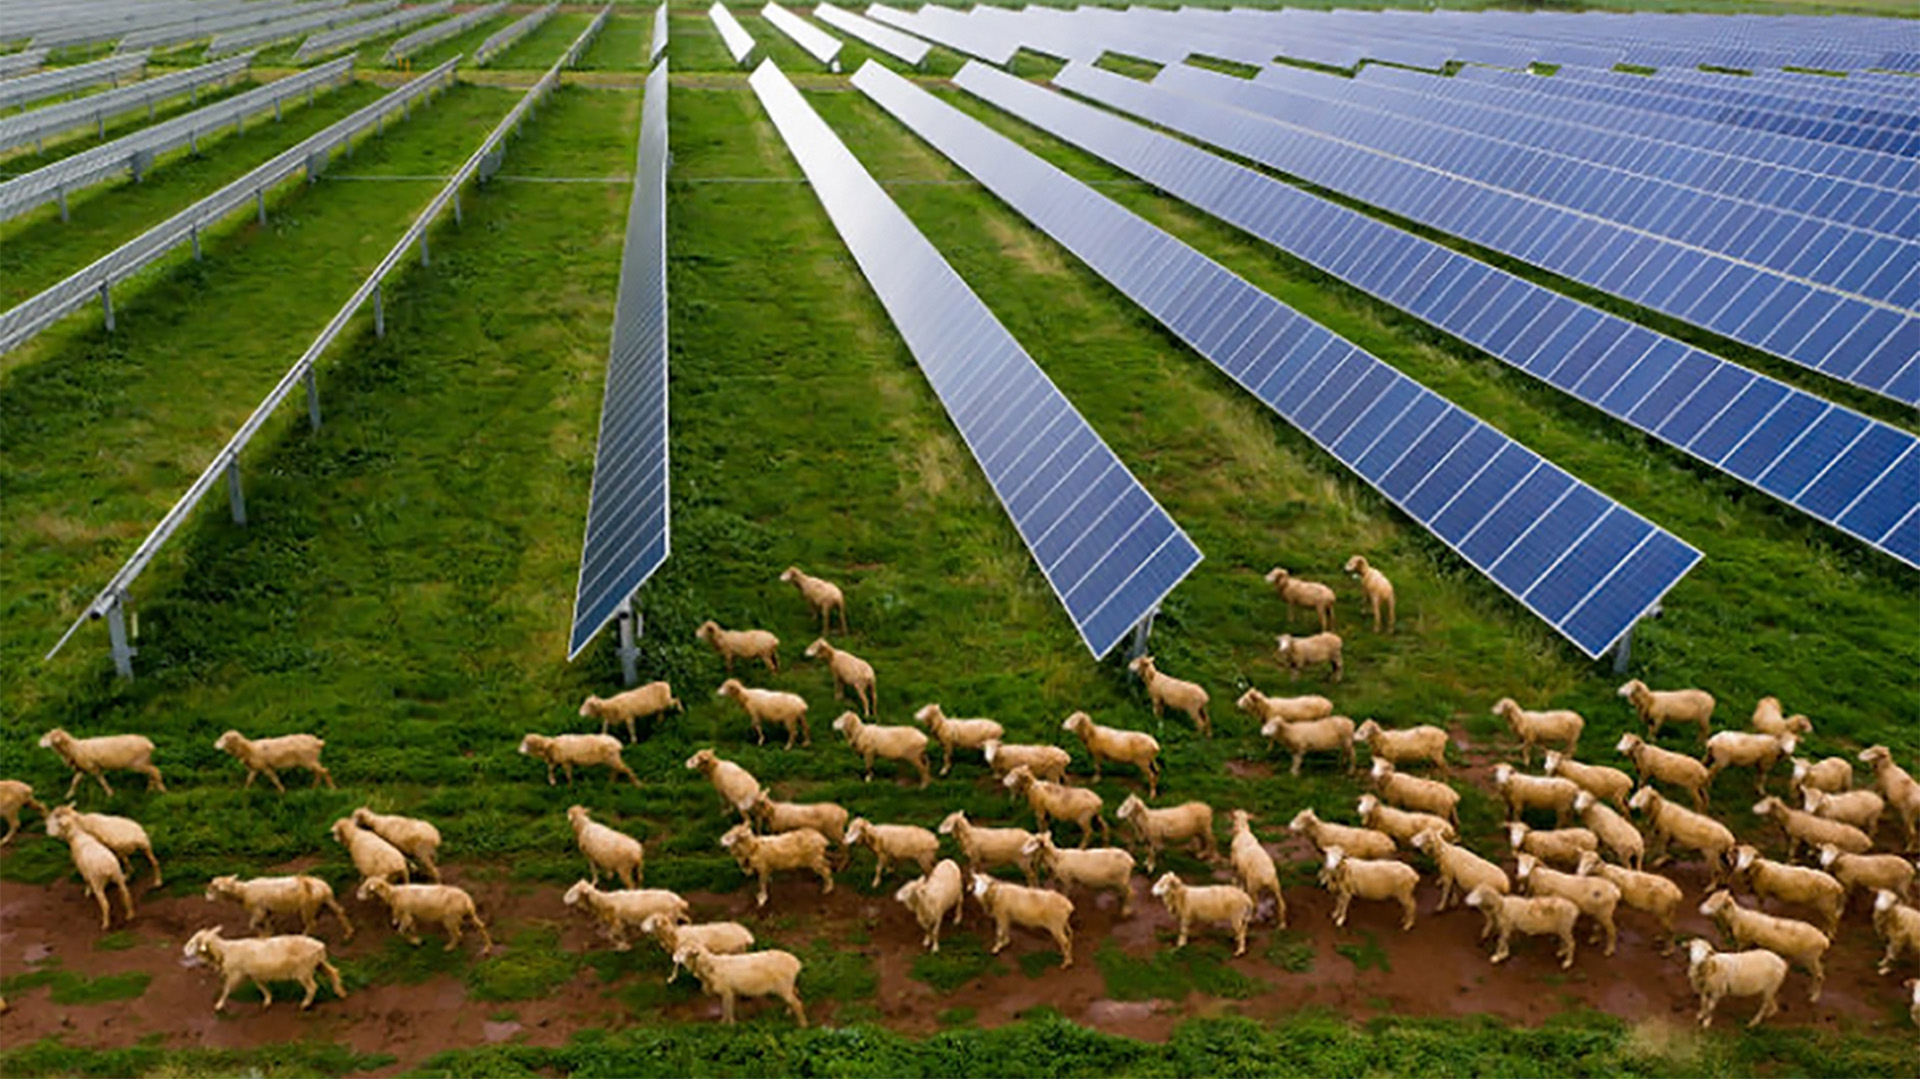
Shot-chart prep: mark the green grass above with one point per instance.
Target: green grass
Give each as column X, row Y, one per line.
column 960, row 961
column 1365, row 953
column 67, row 988
column 1170, row 975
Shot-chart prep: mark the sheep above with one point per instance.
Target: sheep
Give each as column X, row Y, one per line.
column 1298, row 592
column 1651, row 893
column 721, row 938
column 410, row 905
column 949, row 733
column 1358, row 842
column 1716, row 975
column 1227, row 904
column 769, row 706
column 1171, row 825
column 930, row 898
column 292, row 957
column 1670, row 823
column 1461, row 871
column 96, row 862
column 1605, row 782
column 93, row 757
column 1793, row 940
column 894, row 844
column 1520, row 793
column 848, row 671
column 1050, row 800
column 741, row 645
column 1816, row 889
column 1549, row 726
column 1423, row 743
column 372, row 856
column 1801, row 827
column 639, row 703
column 417, row 840
column 123, row 836
column 1596, row 897
column 301, row 895
column 903, row 744
column 1860, row 809
column 607, row 848
column 1094, row 868
column 1402, row 825
column 1868, row 872
column 1378, row 590
column 1657, row 763
column 1660, row 707
column 1040, row 909
column 1163, row 690
column 1767, row 719
column 585, row 751
column 988, row 847
column 1900, row 789
column 1612, row 830
column 737, row 788
column 15, row 796
column 1293, row 710
column 827, row 819
column 618, row 910
column 271, row 755
column 1253, row 868
column 1296, row 653
column 1044, row 762
column 1898, row 925
column 797, row 849
column 1415, row 793
column 768, row 973
column 1539, row 916
column 1136, row 748
column 1834, row 774
column 823, row 596
column 1369, row 879
column 1747, row 748
column 1311, row 736
column 1560, row 847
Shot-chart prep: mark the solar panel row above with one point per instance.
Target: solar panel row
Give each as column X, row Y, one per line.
column 904, row 47
column 35, row 125
column 816, row 42
column 659, row 35
column 738, row 42
column 28, row 89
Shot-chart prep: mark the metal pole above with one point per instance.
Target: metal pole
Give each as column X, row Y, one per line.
column 106, row 304
column 457, row 218
column 425, row 259
column 117, row 640
column 63, row 203
column 379, row 313
column 276, row 110
column 260, row 200
column 313, row 400
column 629, row 620
column 1141, row 631
column 233, row 492
column 1623, row 652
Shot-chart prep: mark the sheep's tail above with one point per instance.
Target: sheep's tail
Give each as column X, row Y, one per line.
column 333, row 976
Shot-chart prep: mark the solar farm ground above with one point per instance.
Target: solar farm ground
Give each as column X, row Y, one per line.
column 403, row 590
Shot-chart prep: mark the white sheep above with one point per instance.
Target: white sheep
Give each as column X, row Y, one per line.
column 271, row 755
column 1188, row 904
column 630, row 706
column 894, row 844
column 1049, row 800
column 1044, row 762
column 372, row 857
column 1801, row 827
column 903, row 744
column 1791, row 884
column 1546, row 726
column 1253, row 868
column 1519, row 793
column 1537, row 916
column 1650, row 893
column 768, row 973
column 607, row 848
column 263, row 898
column 1136, row 748
column 15, row 796
column 1605, row 782
column 1747, row 748
column 289, row 957
column 720, row 939
column 1191, row 821
column 585, row 751
column 1753, row 973
column 737, row 788
column 1795, row 941
column 1329, row 733
column 848, row 671
column 1613, row 830
column 760, row 856
column 96, row 862
column 1596, row 897
column 1660, row 707
column 92, row 757
column 1658, row 763
column 1008, row 905
column 1860, row 809
column 1415, row 792
column 823, row 596
column 1768, row 719
column 123, row 836
column 410, row 905
column 1669, row 824
column 1091, row 868
column 931, row 897
column 949, row 733
column 1164, row 690
column 1899, row 788
column 1402, row 825
column 1360, row 843
column 1376, row 587
column 1368, row 879
column 1461, row 871
column 1561, row 847
column 1298, row 592
column 1293, row 710
column 1298, row 653
column 1424, row 742
column 1898, row 925
column 769, row 707
column 741, row 645
column 417, row 840
column 618, row 910
column 827, row 819
column 1834, row 774
column 1868, row 873
column 986, row 848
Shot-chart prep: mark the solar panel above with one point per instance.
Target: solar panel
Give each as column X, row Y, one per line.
column 949, row 28
column 1106, row 547
column 817, row 43
column 739, row 43
column 28, row 89
column 292, row 27
column 659, row 35
column 355, row 33
column 628, row 512
column 507, row 36
column 898, row 45
column 36, row 125
column 22, row 62
column 440, row 31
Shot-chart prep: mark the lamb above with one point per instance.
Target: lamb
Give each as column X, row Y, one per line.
column 1540, row 916
column 1253, row 868
column 618, row 910
column 1670, row 823
column 1461, row 871
column 1298, row 592
column 1368, row 879
column 1550, row 726
column 1402, row 825
column 1560, row 847
column 1616, row 832
column 1902, row 792
column 848, row 671
column 1792, row 884
column 264, row 898
column 760, row 856
column 1293, row 710
column 607, row 848
column 1228, row 904
column 1297, row 653
column 96, row 862
column 639, row 703
column 1747, row 748
column 372, row 857
column 585, row 751
column 1095, row 868
column 902, row 744
column 1660, row 707
column 1044, row 762
column 1657, row 763
column 1767, row 719
column 721, row 938
column 949, row 733
column 894, row 844
column 1868, row 872
column 768, row 973
column 271, row 755
column 123, row 836
column 736, row 786
column 417, row 840
column 1596, row 897
column 92, row 757
column 292, row 957
column 741, row 645
column 1520, row 793
column 1040, row 909
column 1606, row 783
column 823, row 596
column 1651, row 893
column 827, row 819
column 15, row 796
column 932, row 897
column 985, row 847
column 1378, row 589
column 769, row 706
column 1898, row 925
column 1357, row 842
column 1136, row 748
column 1164, row 690
column 411, row 905
column 1716, row 975
column 1793, row 940
column 1801, row 827
column 1860, row 809
column 1161, row 828
column 1050, row 800
column 1423, row 743
column 1834, row 774
column 1311, row 736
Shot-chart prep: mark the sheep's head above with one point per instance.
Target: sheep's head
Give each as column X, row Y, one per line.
column 1426, row 840
column 200, row 945
column 848, row 724
column 1168, row 883
column 952, row 821
column 701, row 761
column 990, row 748
column 588, row 706
column 534, row 744
column 1744, row 855
column 229, row 741
column 905, row 893
column 1502, row 773
column 1240, row 819
column 1382, row 768
column 1249, row 702
column 1788, row 742
column 1583, row 802
column 1812, row 800
column 1276, row 577
column 1524, row 864
column 1829, row 854
column 1589, row 861
column 1036, row 844
column 1140, row 665
column 691, row 955
column 655, row 925
column 221, row 887
column 1718, row 902
column 577, row 893
column 1799, row 724
column 1698, row 952
column 1769, row 806
column 1628, row 744
column 1334, row 855
column 1644, row 799
column 1305, row 819
column 981, row 885
column 737, row 835
column 1517, row 834
column 60, row 823
column 1077, row 722
column 577, row 816
column 708, row 631
column 1368, row 729
column 732, row 688
column 1367, row 805
column 58, row 739
column 1872, row 755
column 1283, row 645
column 925, row 715
column 1481, row 896
column 1131, row 807
column 1884, row 900
column 1632, row 687
column 1504, row 706
column 1356, row 565
column 1272, row 728
column 818, row 649
column 1019, row 778
column 790, row 574
column 372, row 887
column 343, row 828
column 857, row 828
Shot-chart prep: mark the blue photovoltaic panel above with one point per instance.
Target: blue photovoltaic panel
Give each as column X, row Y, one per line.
column 1106, row 547
column 1556, row 545
column 627, row 536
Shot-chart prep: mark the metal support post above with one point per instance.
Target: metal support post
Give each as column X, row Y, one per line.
column 425, row 258
column 1623, row 652
column 117, row 639
column 313, row 400
column 194, row 233
column 1143, row 629
column 63, row 204
column 629, row 621
column 276, row 110
column 106, row 304
column 379, row 313
column 457, row 218
column 101, row 116
column 233, row 492
column 260, row 201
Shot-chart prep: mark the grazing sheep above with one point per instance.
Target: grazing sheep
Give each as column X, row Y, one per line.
column 639, row 703
column 1311, row 736
column 741, row 645
column 903, row 744
column 1358, row 842
column 721, row 938
column 1378, row 590
column 411, row 905
column 1549, row 726
column 1657, row 763
column 1044, row 762
column 823, row 596
column 1298, row 592
column 1461, row 871
column 1192, row 821
column 585, row 751
column 607, row 848
column 301, row 895
column 827, row 819
column 894, row 844
column 985, row 848
column 736, row 786
column 1834, row 774
column 1767, row 719
column 769, row 706
column 1402, row 825
column 848, row 671
column 1520, row 793
column 1423, row 743
column 1898, row 925
column 417, row 840
column 1801, row 827
column 1716, row 975
column 1613, row 830
column 1049, row 800
column 1093, row 868
column 1606, row 783
column 96, row 862
column 271, row 755
column 1253, row 868
column 949, row 733
column 1164, row 690
column 1860, row 809
column 1039, row 909
column 1369, row 879
column 1641, row 891
column 1227, row 904
column 289, row 957
column 1795, row 941
column 618, row 910
column 1816, row 889
column 1670, row 824
column 15, row 796
column 1538, row 916
column 1661, row 707
column 768, row 973
column 92, row 757
column 931, row 897
column 1747, row 748
column 1118, row 745
column 123, row 836
column 1560, row 847
column 372, row 857
column 798, row 849
column 1293, row 710
column 1596, row 897
column 1900, row 789
column 1868, row 873
column 1298, row 653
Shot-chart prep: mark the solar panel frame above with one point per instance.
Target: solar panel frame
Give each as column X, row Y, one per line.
column 739, row 44
column 814, row 41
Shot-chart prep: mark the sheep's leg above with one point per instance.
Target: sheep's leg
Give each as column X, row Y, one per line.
column 920, row 763
column 726, row 1006
column 1408, row 909
column 794, row 1006
column 1819, row 978
column 320, row 772
column 1566, row 950
column 100, row 894
column 451, row 924
column 275, row 777
column 1613, row 934
column 261, row 923
column 1768, row 1006
column 266, row 993
column 1886, row 962
column 157, row 880
column 1240, row 935
column 1298, row 754
column 426, row 863
column 1504, row 948
column 550, row 780
column 761, row 900
column 311, row 986
column 233, row 980
column 617, row 770
column 869, row 757
column 879, row 867
column 759, row 736
column 999, row 933
column 567, row 766
column 944, row 768
column 1340, row 908
column 251, row 773
column 1063, row 938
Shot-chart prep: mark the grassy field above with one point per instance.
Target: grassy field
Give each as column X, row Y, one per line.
column 403, row 586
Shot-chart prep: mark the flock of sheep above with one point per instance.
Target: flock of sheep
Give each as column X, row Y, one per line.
column 1593, row 870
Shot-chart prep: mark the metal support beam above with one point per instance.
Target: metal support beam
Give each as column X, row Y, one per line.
column 425, row 258
column 313, row 400
column 629, row 621
column 379, row 312
column 260, row 201
column 234, row 495
column 1623, row 652
column 195, row 234
column 458, row 219
column 1137, row 647
column 117, row 639
column 106, row 304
